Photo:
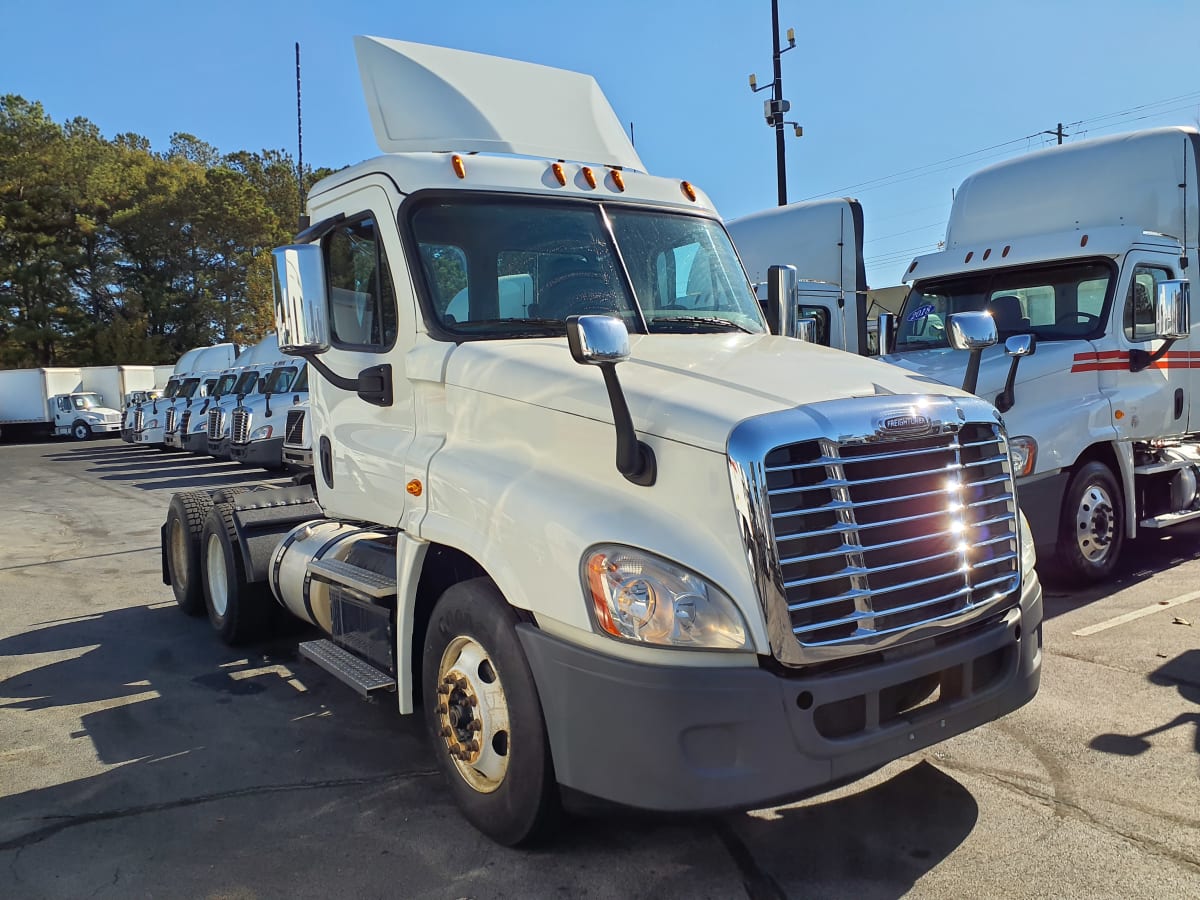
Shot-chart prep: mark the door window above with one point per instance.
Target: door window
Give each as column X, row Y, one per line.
column 1139, row 302
column 361, row 298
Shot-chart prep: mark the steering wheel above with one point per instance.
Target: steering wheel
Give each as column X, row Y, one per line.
column 1089, row 319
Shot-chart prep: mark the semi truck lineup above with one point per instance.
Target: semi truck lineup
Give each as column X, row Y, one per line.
column 595, row 522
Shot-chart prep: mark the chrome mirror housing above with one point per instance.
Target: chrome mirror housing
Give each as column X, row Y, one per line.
column 301, row 302
column 806, row 330
column 1020, row 345
column 595, row 340
column 781, row 299
column 1172, row 310
column 971, row 331
column 886, row 331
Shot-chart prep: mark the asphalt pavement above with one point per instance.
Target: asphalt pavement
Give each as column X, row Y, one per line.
column 140, row 757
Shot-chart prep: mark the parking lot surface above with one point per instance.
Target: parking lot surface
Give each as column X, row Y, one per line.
column 140, row 757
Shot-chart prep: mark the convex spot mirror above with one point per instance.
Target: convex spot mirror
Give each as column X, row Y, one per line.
column 1172, row 310
column 597, row 339
column 1021, row 345
column 301, row 299
column 806, row 330
column 971, row 331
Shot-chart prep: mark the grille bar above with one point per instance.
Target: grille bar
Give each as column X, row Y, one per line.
column 851, row 571
column 216, row 423
column 294, row 429
column 239, row 428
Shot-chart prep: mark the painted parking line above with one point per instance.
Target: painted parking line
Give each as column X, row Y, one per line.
column 1136, row 614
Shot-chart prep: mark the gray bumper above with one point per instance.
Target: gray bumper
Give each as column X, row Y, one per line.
column 268, row 453
column 1041, row 498
column 219, row 449
column 708, row 739
column 301, row 459
column 196, row 442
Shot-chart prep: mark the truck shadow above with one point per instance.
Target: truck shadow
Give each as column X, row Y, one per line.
column 201, row 745
column 151, row 470
column 1182, row 673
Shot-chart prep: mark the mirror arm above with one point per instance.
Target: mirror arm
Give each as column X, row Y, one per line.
column 373, row 384
column 1139, row 359
column 971, row 378
column 635, row 458
column 1007, row 397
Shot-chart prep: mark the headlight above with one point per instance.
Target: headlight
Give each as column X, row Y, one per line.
column 261, row 433
column 153, row 423
column 1028, row 551
column 641, row 597
column 1022, row 451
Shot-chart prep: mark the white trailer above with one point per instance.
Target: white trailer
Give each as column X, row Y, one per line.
column 1084, row 254
column 703, row 583
column 115, row 384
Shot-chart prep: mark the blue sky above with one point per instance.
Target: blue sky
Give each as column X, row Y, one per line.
column 899, row 100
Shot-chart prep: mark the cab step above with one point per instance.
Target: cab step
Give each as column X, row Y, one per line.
column 372, row 584
column 345, row 666
column 1171, row 465
column 1166, row 520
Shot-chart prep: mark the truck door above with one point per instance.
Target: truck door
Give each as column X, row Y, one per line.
column 1155, row 400
column 359, row 448
column 64, row 413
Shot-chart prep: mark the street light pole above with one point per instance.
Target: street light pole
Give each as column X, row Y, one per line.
column 775, row 108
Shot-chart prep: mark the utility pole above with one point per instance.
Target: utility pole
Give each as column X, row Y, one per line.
column 1058, row 133
column 300, row 144
column 775, row 108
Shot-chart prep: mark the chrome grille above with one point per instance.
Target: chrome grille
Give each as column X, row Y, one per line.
column 877, row 538
column 184, row 421
column 170, row 420
column 216, row 423
column 293, row 432
column 239, row 432
column 137, row 421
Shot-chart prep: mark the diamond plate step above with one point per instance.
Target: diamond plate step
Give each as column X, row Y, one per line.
column 363, row 580
column 1166, row 520
column 345, row 666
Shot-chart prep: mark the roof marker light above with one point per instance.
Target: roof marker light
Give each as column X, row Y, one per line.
column 1083, row 241
column 970, row 253
column 987, row 253
column 460, row 168
column 589, row 176
column 559, row 174
column 1004, row 253
column 688, row 190
column 913, row 267
column 618, row 179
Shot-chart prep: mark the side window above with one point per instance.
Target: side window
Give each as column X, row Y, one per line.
column 362, row 303
column 821, row 316
column 64, row 403
column 1139, row 302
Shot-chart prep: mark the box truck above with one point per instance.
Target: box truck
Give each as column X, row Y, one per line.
column 53, row 401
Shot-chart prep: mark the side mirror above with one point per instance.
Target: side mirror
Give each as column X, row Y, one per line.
column 1017, row 347
column 604, row 341
column 781, row 293
column 806, row 330
column 886, row 328
column 1021, row 345
column 975, row 332
column 301, row 302
column 1172, row 310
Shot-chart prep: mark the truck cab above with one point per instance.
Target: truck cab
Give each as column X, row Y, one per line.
column 215, row 423
column 80, row 415
column 141, row 410
column 191, row 425
column 257, row 423
column 1083, row 255
column 297, row 440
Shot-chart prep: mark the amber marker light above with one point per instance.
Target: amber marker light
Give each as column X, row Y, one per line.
column 414, row 487
column 688, row 190
column 1119, row 414
column 618, row 179
column 1083, row 241
column 589, row 176
column 970, row 253
column 597, row 569
column 460, row 168
column 559, row 174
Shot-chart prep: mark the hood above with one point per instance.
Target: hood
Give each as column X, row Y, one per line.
column 946, row 366
column 689, row 388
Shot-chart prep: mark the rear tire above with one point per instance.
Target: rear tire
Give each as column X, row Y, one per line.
column 239, row 610
column 184, row 528
column 1092, row 526
column 484, row 717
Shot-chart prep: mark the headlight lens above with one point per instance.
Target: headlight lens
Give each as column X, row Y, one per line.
column 1028, row 552
column 1022, row 450
column 261, row 433
column 153, row 423
column 640, row 597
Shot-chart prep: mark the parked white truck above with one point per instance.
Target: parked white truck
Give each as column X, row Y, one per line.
column 53, row 401
column 256, row 424
column 196, row 371
column 802, row 565
column 1083, row 254
column 297, row 440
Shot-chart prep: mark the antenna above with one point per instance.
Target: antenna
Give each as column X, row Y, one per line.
column 300, row 144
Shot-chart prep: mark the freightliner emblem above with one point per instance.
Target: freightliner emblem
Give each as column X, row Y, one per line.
column 908, row 423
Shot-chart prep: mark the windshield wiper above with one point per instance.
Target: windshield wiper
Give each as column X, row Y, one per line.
column 919, row 345
column 693, row 323
column 536, row 326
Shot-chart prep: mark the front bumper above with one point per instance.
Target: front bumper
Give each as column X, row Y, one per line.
column 148, row 436
column 219, row 449
column 267, row 453
column 173, row 439
column 707, row 739
column 196, row 442
column 301, row 459
column 105, row 427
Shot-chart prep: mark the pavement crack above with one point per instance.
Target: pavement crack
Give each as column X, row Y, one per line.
column 20, row 842
column 759, row 883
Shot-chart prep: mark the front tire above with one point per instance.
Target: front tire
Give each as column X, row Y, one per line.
column 483, row 715
column 183, row 534
column 1092, row 525
column 80, row 430
column 239, row 610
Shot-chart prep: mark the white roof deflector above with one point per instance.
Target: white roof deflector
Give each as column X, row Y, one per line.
column 425, row 98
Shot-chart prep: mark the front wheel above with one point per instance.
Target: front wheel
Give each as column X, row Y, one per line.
column 80, row 430
column 483, row 715
column 1092, row 529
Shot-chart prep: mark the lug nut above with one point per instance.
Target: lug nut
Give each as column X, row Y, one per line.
column 446, row 731
column 475, row 725
column 443, row 709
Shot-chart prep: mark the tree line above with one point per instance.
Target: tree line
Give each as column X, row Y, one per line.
column 111, row 252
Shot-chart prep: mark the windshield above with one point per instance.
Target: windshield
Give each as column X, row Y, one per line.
column 509, row 268
column 245, row 384
column 86, row 401
column 188, row 389
column 280, row 380
column 224, row 385
column 1057, row 303
column 171, row 389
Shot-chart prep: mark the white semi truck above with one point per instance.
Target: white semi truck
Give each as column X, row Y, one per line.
column 1084, row 254
column 196, row 371
column 257, row 423
column 743, row 569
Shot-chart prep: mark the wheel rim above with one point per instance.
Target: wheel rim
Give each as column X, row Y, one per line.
column 472, row 712
column 179, row 572
column 218, row 585
column 1095, row 524
column 80, row 432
